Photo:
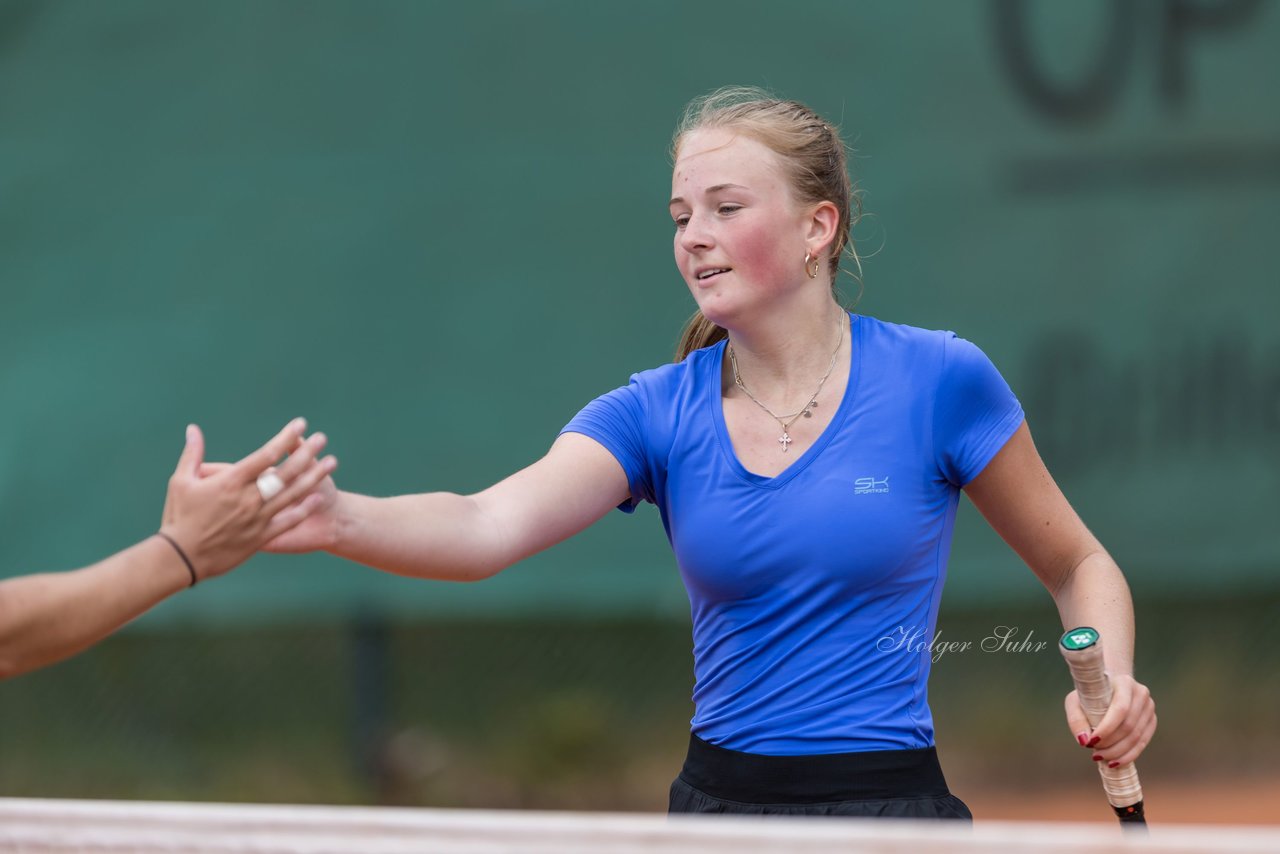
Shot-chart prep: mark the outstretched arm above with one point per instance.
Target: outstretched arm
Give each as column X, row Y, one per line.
column 217, row 521
column 445, row 536
column 1018, row 496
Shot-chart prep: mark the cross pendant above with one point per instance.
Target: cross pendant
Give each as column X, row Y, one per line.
column 784, row 440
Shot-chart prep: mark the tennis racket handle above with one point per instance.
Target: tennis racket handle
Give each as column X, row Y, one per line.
column 1084, row 659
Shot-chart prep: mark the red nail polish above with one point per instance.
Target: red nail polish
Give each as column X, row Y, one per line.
column 1094, row 741
column 1097, row 757
column 1113, row 764
column 1080, row 737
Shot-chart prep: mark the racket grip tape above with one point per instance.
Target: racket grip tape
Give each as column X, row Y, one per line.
column 1082, row 648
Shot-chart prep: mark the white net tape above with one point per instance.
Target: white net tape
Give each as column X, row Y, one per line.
column 135, row 826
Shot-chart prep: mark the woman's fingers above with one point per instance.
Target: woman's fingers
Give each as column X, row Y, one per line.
column 1124, row 731
column 210, row 469
column 301, row 457
column 192, row 453
column 1131, row 734
column 1113, row 725
column 1130, row 748
column 1077, row 720
column 260, row 464
column 303, row 483
column 248, row 469
column 290, row 517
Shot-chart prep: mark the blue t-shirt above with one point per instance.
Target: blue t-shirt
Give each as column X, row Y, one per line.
column 796, row 581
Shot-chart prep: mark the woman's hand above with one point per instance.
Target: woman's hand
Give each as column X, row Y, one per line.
column 217, row 514
column 1126, row 728
column 319, row 530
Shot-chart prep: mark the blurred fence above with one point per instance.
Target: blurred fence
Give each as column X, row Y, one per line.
column 573, row 714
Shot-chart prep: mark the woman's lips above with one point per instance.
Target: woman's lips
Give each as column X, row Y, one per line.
column 704, row 281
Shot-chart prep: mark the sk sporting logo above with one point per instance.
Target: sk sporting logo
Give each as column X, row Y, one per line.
column 869, row 485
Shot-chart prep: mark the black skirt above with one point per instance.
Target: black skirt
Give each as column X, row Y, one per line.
column 888, row 783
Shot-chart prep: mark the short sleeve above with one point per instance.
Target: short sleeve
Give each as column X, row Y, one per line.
column 975, row 412
column 617, row 420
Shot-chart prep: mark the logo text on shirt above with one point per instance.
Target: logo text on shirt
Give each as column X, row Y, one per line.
column 868, row 485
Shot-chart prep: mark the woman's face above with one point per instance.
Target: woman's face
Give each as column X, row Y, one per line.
column 740, row 236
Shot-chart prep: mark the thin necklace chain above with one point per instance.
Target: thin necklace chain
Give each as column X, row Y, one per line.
column 785, row 421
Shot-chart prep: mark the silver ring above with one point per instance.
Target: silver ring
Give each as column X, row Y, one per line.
column 269, row 485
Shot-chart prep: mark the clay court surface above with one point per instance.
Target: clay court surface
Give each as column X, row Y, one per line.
column 1223, row 801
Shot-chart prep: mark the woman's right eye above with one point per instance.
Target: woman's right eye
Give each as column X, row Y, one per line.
column 681, row 222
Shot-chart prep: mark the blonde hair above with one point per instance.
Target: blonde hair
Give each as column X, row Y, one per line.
column 814, row 160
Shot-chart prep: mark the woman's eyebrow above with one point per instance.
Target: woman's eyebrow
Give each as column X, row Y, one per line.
column 716, row 189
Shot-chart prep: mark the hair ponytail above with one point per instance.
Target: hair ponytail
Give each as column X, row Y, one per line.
column 698, row 333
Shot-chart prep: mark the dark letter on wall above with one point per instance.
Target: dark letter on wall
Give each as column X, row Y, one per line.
column 1080, row 101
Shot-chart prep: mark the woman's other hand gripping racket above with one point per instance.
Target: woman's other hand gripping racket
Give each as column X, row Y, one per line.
column 1114, row 716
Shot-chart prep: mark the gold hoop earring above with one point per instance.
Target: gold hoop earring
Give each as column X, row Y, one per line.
column 812, row 271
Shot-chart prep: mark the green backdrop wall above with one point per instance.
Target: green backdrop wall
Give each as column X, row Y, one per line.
column 437, row 230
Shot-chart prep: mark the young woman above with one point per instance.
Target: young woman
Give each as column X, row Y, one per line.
column 214, row 518
column 807, row 464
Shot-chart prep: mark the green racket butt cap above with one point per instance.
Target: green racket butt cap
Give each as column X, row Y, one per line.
column 1081, row 638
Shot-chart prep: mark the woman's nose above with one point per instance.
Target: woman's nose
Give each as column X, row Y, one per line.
column 694, row 236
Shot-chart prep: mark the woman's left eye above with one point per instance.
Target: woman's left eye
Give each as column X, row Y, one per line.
column 728, row 209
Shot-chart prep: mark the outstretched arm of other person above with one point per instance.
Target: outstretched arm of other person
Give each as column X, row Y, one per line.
column 214, row 523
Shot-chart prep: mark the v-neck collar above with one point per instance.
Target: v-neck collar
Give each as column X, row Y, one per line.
column 716, row 402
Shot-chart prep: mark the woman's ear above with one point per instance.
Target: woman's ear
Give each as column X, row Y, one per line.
column 824, row 222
